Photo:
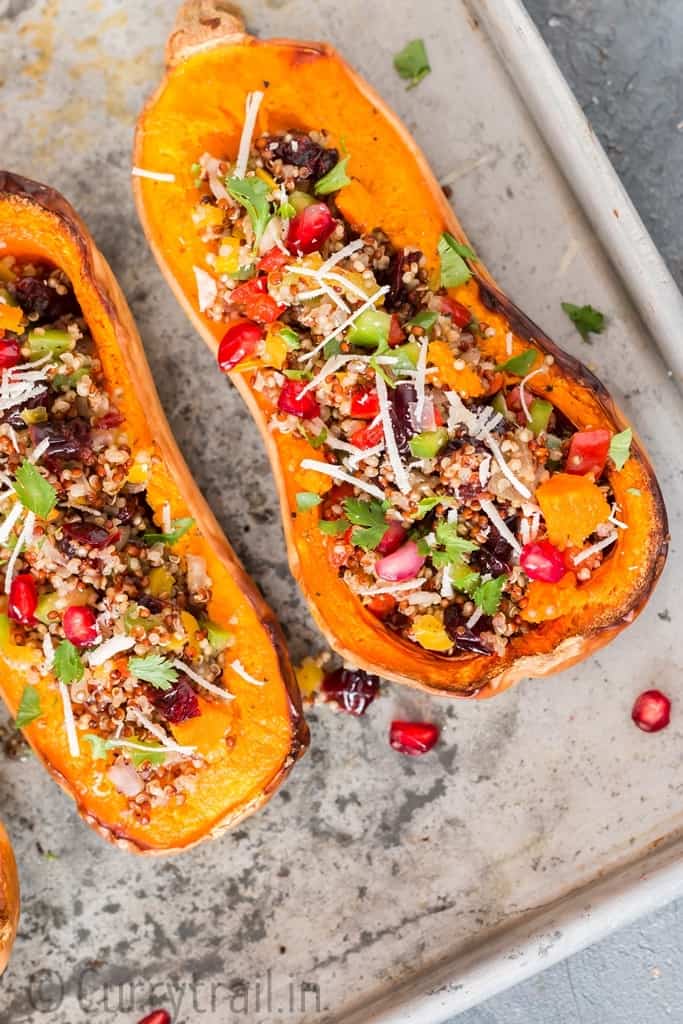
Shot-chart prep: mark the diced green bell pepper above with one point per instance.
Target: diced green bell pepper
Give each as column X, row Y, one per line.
column 370, row 329
column 300, row 200
column 49, row 342
column 540, row 412
column 429, row 443
column 218, row 637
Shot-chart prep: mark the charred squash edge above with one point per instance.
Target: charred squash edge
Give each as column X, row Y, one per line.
column 9, row 899
column 203, row 25
column 15, row 189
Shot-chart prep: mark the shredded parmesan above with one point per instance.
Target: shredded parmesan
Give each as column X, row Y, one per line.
column 200, row 681
column 594, row 548
column 337, row 257
column 166, row 523
column 69, row 723
column 141, row 172
column 10, row 521
column 338, row 474
column 489, row 509
column 612, row 518
column 347, row 323
column 48, row 651
column 420, row 380
column 505, row 469
column 362, row 454
column 251, row 109
column 508, row 343
column 333, row 364
column 241, row 671
column 39, row 450
column 13, row 437
column 400, row 472
column 23, row 540
column 474, row 618
column 393, row 589
column 155, row 730
column 522, row 394
column 207, row 289
column 446, row 582
column 484, row 470
column 109, row 649
column 167, row 747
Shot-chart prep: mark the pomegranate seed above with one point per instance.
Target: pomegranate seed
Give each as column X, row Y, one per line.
column 80, row 626
column 10, row 353
column 652, row 711
column 23, row 599
column 291, row 400
column 392, row 539
column 352, row 689
column 239, row 341
column 310, row 228
column 541, row 560
column 157, row 1017
column 459, row 314
column 413, row 738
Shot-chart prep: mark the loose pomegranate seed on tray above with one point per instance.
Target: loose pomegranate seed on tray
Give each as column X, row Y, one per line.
column 413, row 738
column 652, row 711
column 157, row 1017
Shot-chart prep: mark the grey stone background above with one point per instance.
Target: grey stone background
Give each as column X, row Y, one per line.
column 624, row 61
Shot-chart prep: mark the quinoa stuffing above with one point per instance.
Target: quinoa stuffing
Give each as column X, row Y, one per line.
column 96, row 595
column 454, row 497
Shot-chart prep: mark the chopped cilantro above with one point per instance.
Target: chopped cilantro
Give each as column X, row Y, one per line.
column 179, row 529
column 33, row 490
column 318, row 440
column 286, row 210
column 101, row 747
column 290, row 338
column 620, row 447
column 244, row 273
column 487, row 595
column 298, row 374
column 520, row 364
column 29, row 707
column 252, row 194
column 452, row 545
column 153, row 669
column 306, row 500
column 586, row 319
column 68, row 665
column 425, row 319
column 369, row 522
column 333, row 527
column 452, row 254
column 334, row 180
column 412, row 63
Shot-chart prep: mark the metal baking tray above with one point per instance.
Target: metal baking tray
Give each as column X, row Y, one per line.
column 373, row 888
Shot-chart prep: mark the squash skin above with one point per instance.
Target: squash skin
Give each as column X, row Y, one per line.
column 9, row 898
column 37, row 221
column 310, row 86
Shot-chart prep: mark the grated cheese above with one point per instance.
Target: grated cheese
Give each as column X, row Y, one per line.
column 155, row 730
column 48, row 651
column 69, row 723
column 365, row 453
column 109, row 649
column 489, row 509
column 400, row 472
column 474, row 618
column 338, row 474
column 333, row 364
column 594, row 548
column 23, row 540
column 484, row 470
column 505, row 469
column 241, row 671
column 420, row 380
column 39, row 450
column 142, row 172
column 171, row 747
column 166, row 524
column 394, row 588
column 522, row 395
column 207, row 289
column 218, row 691
column 337, row 257
column 251, row 109
column 347, row 323
column 446, row 583
column 508, row 343
column 10, row 521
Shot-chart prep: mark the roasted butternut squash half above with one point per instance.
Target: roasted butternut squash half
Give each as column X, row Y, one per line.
column 463, row 503
column 145, row 669
column 9, row 899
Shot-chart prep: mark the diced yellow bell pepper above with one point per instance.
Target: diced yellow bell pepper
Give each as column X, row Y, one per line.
column 429, row 632
column 11, row 318
column 160, row 582
column 264, row 176
column 309, row 676
column 228, row 258
column 209, row 216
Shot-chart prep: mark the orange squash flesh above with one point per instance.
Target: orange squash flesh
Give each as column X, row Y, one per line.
column 212, row 65
column 9, row 899
column 265, row 722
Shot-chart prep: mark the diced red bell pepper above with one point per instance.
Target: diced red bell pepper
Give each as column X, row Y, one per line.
column 396, row 332
column 239, row 341
column 588, row 450
column 275, row 259
column 381, row 605
column 367, row 437
column 364, row 404
column 291, row 400
column 254, row 299
column 459, row 314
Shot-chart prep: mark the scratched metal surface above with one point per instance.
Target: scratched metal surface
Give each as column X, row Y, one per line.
column 366, row 867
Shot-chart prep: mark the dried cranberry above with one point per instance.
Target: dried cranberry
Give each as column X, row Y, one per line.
column 10, row 353
column 153, row 604
column 463, row 637
column 88, row 534
column 111, row 419
column 179, row 703
column 413, row 738
column 80, row 625
column 311, row 227
column 301, row 151
column 403, row 398
column 67, row 440
column 41, row 302
column 495, row 555
column 652, row 711
column 23, row 599
column 352, row 689
column 157, row 1017
column 290, row 400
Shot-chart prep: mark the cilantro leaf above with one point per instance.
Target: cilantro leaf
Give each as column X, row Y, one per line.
column 452, row 254
column 68, row 665
column 452, row 544
column 318, row 440
column 369, row 521
column 466, row 580
column 620, row 448
column 33, row 490
column 425, row 319
column 179, row 529
column 487, row 596
column 286, row 210
column 99, row 745
column 520, row 364
column 290, row 338
column 154, row 669
column 334, row 180
column 252, row 193
column 412, row 63
column 306, row 500
column 298, row 374
column 29, row 707
column 586, row 319
column 333, row 527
